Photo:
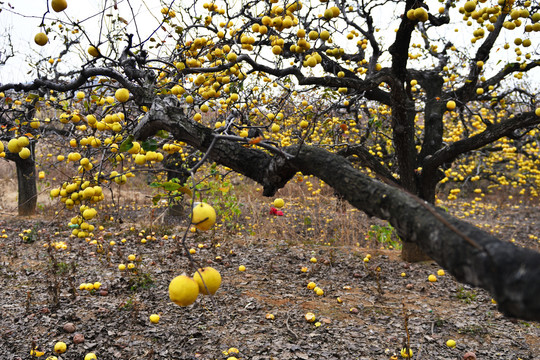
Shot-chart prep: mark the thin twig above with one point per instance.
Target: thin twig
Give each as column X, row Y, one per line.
column 192, row 261
column 288, row 327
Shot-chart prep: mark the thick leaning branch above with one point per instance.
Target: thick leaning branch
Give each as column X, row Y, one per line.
column 508, row 272
column 272, row 172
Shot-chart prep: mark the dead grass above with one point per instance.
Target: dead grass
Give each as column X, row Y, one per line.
column 308, row 219
column 312, row 213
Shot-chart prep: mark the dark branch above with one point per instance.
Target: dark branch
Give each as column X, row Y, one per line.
column 489, row 135
column 84, row 75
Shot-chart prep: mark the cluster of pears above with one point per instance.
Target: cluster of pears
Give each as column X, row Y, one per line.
column 184, row 290
column 17, row 146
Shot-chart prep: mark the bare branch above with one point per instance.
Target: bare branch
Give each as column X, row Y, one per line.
column 83, row 77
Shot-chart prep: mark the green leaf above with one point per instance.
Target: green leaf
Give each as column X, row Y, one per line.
column 185, row 190
column 149, row 145
column 155, row 184
column 126, row 144
column 170, row 186
column 162, row 134
column 155, row 199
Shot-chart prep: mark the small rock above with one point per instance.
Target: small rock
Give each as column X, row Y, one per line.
column 409, row 287
column 103, row 292
column 45, row 310
column 78, row 338
column 469, row 355
column 89, row 346
column 69, row 327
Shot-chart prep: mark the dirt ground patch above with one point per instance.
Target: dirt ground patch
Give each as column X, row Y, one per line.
column 40, row 293
column 368, row 324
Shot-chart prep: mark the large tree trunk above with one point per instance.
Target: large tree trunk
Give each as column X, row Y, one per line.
column 508, row 272
column 403, row 132
column 403, row 118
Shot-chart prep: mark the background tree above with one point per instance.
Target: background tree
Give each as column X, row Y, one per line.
column 272, row 88
column 21, row 150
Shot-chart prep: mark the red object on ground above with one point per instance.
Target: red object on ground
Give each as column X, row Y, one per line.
column 274, row 211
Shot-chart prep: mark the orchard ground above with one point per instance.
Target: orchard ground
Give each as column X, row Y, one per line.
column 39, row 286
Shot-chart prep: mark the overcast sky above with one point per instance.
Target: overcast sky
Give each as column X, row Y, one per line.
column 22, row 18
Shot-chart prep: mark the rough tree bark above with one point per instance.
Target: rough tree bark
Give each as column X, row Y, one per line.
column 508, row 272
column 26, row 179
column 26, row 182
